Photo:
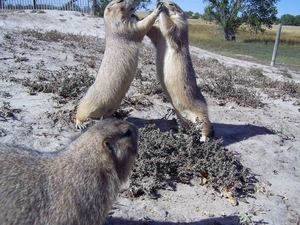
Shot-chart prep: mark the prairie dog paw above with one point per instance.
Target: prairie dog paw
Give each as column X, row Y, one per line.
column 159, row 7
column 203, row 139
column 79, row 125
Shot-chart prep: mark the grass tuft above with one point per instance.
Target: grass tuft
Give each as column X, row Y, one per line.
column 68, row 82
column 166, row 158
column 7, row 112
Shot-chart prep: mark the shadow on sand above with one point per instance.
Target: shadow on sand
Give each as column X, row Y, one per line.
column 230, row 133
column 230, row 220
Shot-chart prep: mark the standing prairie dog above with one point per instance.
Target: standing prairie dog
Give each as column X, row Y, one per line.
column 175, row 69
column 124, row 34
column 76, row 185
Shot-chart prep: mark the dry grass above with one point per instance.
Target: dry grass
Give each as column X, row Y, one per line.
column 7, row 112
column 240, row 85
column 68, row 82
column 142, row 15
column 290, row 35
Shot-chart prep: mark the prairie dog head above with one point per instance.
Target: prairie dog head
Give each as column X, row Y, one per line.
column 120, row 8
column 121, row 142
column 112, row 143
column 173, row 10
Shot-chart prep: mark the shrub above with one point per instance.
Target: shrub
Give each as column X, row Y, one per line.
column 169, row 157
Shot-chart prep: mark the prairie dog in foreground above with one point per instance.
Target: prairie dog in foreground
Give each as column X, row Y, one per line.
column 175, row 69
column 124, row 34
column 76, row 185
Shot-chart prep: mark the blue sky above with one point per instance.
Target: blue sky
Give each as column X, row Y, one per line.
column 284, row 6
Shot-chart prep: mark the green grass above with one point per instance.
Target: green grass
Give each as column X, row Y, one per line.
column 258, row 46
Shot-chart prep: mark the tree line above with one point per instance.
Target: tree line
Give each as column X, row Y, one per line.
column 288, row 19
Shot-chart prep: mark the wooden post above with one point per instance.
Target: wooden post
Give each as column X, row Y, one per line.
column 276, row 44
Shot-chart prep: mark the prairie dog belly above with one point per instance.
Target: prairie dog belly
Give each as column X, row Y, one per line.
column 119, row 75
column 172, row 75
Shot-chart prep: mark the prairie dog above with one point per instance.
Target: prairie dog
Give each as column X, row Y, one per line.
column 175, row 69
column 124, row 34
column 75, row 185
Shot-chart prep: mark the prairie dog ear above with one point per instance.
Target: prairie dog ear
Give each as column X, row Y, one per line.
column 108, row 150
column 107, row 144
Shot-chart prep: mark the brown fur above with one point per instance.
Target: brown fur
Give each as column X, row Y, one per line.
column 76, row 185
column 124, row 33
column 175, row 69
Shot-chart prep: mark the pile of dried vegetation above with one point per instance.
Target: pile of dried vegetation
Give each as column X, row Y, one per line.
column 166, row 158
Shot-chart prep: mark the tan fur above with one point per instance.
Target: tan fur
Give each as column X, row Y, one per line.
column 175, row 69
column 76, row 185
column 124, row 33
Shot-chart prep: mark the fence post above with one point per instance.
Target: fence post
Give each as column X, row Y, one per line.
column 276, row 45
column 94, row 7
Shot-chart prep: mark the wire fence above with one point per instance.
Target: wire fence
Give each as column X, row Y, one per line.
column 84, row 6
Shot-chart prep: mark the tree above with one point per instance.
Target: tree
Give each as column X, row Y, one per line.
column 297, row 20
column 232, row 14
column 188, row 14
column 196, row 16
column 287, row 19
column 101, row 5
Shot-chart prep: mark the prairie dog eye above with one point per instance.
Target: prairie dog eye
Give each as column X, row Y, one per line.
column 120, row 1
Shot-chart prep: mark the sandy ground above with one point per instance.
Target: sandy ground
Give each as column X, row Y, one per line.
column 267, row 139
